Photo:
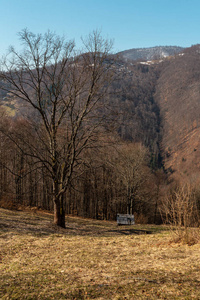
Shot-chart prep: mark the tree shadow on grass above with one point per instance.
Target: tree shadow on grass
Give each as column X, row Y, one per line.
column 39, row 224
column 127, row 231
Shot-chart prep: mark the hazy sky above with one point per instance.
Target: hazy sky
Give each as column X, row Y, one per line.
column 131, row 23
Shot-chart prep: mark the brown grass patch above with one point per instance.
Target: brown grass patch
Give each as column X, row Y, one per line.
column 93, row 260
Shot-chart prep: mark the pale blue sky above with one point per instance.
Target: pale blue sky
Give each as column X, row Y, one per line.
column 131, row 23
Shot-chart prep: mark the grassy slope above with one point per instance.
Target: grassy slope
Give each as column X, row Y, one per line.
column 92, row 260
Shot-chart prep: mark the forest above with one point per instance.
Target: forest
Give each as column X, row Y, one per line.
column 86, row 133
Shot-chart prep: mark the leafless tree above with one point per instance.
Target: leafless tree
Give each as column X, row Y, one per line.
column 64, row 91
column 131, row 166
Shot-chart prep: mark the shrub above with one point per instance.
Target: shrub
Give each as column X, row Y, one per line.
column 180, row 211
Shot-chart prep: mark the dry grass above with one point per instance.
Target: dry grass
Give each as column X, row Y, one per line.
column 93, row 260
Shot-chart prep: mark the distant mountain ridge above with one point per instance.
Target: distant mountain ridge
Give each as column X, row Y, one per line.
column 157, row 52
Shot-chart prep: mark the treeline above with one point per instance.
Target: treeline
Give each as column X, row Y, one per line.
column 114, row 176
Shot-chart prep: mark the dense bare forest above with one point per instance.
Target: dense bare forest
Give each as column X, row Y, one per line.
column 92, row 134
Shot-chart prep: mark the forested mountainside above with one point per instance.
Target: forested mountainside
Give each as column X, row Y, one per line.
column 161, row 108
column 164, row 99
column 132, row 98
column 155, row 106
column 178, row 96
column 139, row 114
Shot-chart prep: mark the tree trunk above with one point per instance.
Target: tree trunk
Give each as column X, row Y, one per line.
column 128, row 203
column 59, row 212
column 131, row 206
column 155, row 212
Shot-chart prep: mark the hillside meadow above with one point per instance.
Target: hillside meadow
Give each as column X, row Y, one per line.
column 93, row 259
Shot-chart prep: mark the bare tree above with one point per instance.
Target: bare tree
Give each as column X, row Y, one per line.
column 65, row 94
column 130, row 164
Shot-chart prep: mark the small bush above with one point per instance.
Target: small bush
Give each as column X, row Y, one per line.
column 180, row 211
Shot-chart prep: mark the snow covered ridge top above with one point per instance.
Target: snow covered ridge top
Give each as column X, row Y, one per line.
column 148, row 54
column 151, row 62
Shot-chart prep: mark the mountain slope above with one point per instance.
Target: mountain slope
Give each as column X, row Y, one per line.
column 178, row 96
column 158, row 105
